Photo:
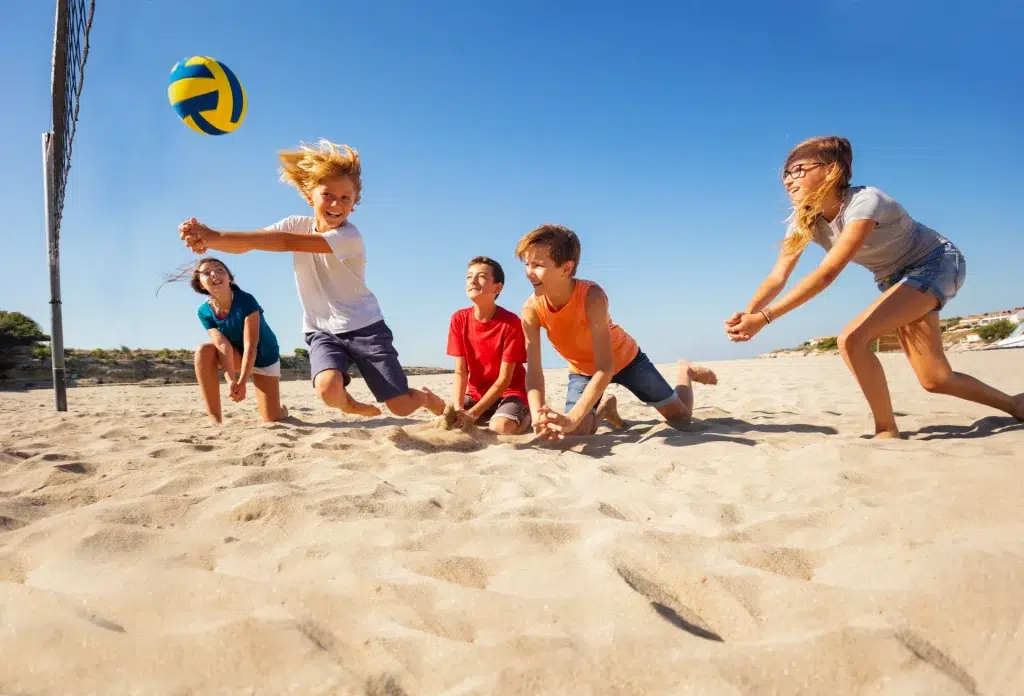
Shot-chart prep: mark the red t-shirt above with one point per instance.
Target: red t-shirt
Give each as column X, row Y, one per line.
column 485, row 345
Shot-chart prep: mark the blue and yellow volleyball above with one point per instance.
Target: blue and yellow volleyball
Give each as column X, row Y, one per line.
column 206, row 95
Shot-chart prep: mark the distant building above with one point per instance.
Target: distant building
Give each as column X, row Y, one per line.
column 991, row 318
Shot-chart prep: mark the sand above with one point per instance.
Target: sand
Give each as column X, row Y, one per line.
column 769, row 550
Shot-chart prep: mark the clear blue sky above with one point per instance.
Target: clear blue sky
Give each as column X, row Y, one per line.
column 655, row 130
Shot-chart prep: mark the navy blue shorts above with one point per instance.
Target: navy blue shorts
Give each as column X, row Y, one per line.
column 640, row 377
column 370, row 349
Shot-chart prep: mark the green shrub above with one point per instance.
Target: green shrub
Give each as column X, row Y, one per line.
column 301, row 353
column 830, row 343
column 996, row 331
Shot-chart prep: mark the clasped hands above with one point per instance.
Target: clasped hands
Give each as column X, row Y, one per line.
column 195, row 234
column 743, row 326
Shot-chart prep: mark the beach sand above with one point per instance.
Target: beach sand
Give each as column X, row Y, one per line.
column 769, row 550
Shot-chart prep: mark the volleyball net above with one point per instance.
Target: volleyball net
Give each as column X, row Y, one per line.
column 70, row 52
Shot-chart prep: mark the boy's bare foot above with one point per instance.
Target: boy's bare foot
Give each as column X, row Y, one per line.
column 696, row 373
column 888, row 435
column 282, row 412
column 435, row 404
column 609, row 411
column 359, row 408
column 214, row 420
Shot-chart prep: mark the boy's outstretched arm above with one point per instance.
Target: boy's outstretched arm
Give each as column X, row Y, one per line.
column 604, row 365
column 199, row 237
column 534, row 369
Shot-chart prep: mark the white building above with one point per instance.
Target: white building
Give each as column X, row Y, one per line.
column 1012, row 318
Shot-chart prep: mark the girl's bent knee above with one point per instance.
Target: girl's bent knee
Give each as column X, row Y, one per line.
column 206, row 351
column 936, row 382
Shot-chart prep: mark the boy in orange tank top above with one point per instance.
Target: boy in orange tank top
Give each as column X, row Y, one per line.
column 575, row 315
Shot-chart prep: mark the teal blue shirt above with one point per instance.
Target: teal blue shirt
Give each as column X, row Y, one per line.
column 233, row 327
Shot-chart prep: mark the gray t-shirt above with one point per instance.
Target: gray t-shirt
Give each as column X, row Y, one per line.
column 897, row 240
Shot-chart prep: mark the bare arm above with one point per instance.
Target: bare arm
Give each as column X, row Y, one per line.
column 776, row 280
column 250, row 339
column 848, row 244
column 460, row 382
column 744, row 327
column 495, row 392
column 200, row 238
column 226, row 350
column 534, row 369
column 600, row 331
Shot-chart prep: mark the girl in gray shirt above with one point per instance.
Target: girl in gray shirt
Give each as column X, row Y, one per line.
column 917, row 270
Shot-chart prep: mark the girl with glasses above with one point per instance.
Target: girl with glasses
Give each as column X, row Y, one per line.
column 917, row 270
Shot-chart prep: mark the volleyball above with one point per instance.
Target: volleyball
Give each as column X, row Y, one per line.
column 206, row 95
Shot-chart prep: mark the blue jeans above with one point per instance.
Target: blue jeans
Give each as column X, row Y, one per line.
column 940, row 273
column 640, row 377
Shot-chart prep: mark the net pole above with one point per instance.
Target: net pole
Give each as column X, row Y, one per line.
column 53, row 257
column 53, row 154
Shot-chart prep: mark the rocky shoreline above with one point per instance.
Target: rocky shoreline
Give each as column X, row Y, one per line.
column 22, row 368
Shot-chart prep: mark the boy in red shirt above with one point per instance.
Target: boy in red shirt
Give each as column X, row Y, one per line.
column 489, row 348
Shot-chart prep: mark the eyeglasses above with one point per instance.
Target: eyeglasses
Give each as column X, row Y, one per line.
column 213, row 271
column 798, row 170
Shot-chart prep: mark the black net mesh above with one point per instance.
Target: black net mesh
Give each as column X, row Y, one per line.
column 70, row 51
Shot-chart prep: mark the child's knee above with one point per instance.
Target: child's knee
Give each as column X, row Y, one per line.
column 404, row 405
column 206, row 352
column 504, row 426
column 675, row 412
column 329, row 384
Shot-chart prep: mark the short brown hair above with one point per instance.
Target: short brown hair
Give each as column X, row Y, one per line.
column 562, row 243
column 496, row 270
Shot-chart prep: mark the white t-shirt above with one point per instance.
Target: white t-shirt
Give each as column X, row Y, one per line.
column 332, row 287
column 896, row 242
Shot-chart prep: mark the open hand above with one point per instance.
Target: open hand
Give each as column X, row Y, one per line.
column 745, row 327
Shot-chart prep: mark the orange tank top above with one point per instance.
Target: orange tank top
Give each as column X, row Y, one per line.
column 569, row 332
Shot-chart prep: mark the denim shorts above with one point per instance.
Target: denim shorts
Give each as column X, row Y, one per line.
column 370, row 349
column 940, row 273
column 640, row 377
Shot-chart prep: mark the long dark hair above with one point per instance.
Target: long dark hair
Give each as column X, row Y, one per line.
column 191, row 271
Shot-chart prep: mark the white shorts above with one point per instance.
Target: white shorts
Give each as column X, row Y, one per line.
column 268, row 371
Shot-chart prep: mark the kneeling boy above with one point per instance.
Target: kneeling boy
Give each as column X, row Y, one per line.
column 574, row 312
column 489, row 350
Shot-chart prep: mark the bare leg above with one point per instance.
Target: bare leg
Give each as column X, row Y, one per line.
column 330, row 387
column 899, row 306
column 207, row 364
column 268, row 398
column 679, row 412
column 507, row 426
column 608, row 411
column 407, row 403
column 922, row 342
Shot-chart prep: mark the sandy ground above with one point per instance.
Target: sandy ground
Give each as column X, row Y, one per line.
column 769, row 550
